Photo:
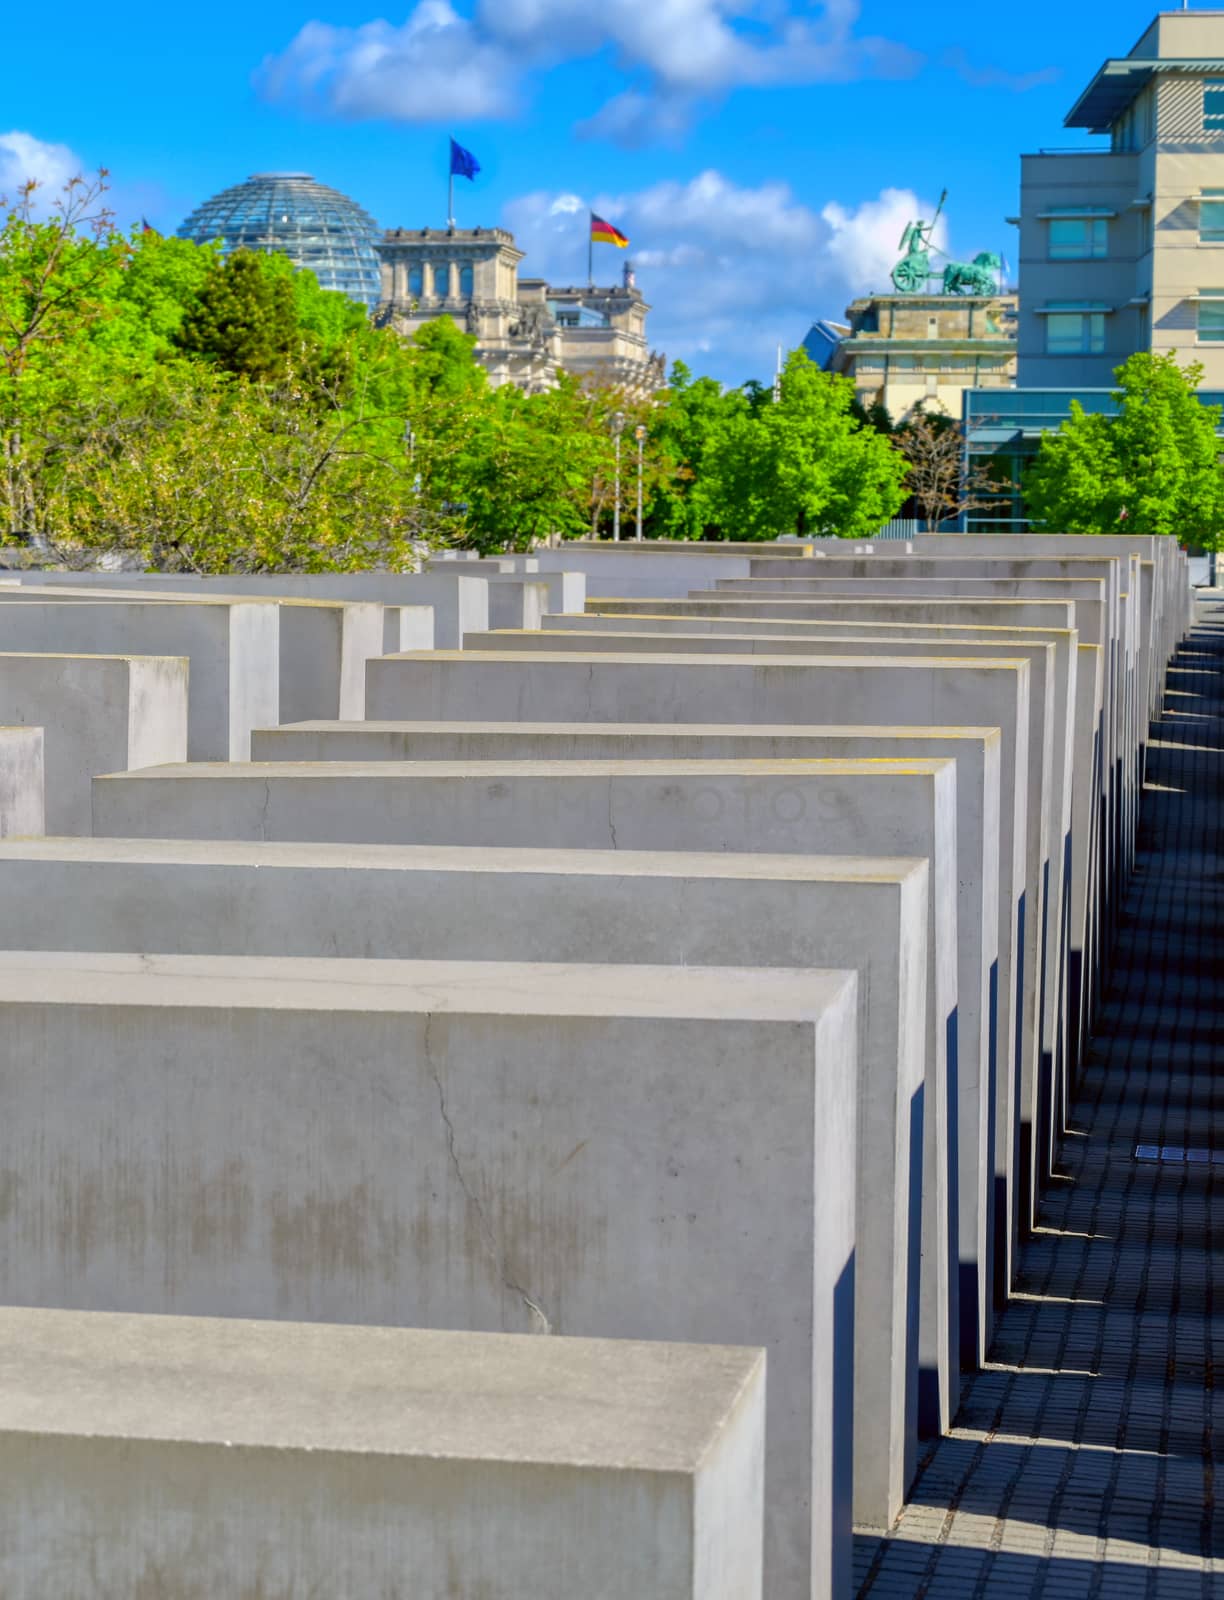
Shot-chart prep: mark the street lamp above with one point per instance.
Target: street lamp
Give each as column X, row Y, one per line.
column 617, row 424
column 410, row 445
column 639, row 433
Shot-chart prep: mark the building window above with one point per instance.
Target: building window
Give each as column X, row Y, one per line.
column 1075, row 333
column 441, row 282
column 415, row 281
column 465, row 283
column 1211, row 217
column 1213, row 105
column 1211, row 317
column 1078, row 238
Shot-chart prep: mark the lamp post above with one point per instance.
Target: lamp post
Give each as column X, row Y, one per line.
column 617, row 424
column 639, row 433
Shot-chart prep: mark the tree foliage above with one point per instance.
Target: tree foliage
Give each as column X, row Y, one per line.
column 1152, row 468
column 214, row 414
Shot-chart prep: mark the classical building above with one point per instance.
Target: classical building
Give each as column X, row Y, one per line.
column 526, row 330
column 906, row 349
column 1122, row 248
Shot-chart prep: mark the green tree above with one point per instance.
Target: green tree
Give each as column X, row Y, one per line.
column 1152, row 468
column 687, row 428
column 802, row 465
column 526, row 466
column 244, row 319
column 60, row 276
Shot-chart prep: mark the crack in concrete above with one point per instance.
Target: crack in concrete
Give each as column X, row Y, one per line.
column 263, row 813
column 539, row 1319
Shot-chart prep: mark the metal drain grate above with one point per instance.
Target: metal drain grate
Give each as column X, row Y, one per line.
column 1179, row 1155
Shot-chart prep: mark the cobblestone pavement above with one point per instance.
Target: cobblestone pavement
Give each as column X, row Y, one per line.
column 1083, row 1460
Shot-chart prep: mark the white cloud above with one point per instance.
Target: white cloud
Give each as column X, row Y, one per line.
column 731, row 271
column 864, row 243
column 25, row 159
column 441, row 64
column 437, row 65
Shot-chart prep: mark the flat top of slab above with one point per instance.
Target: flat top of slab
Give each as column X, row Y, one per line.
column 724, row 597
column 461, row 988
column 774, row 626
column 677, row 658
column 84, row 655
column 51, row 594
column 939, row 649
column 185, row 596
column 466, row 858
column 268, row 771
column 659, row 730
column 404, row 1391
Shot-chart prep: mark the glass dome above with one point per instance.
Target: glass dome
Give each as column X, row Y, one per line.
column 313, row 225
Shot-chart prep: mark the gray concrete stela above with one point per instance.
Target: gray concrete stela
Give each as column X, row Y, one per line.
column 1084, row 1456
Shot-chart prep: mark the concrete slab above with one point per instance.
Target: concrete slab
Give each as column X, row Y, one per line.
column 459, row 600
column 408, row 628
column 516, row 602
column 1094, row 615
column 722, row 689
column 22, row 809
column 821, row 807
column 478, row 1145
column 478, row 1462
column 98, row 714
column 233, row 651
column 992, row 870
column 1051, row 764
column 975, row 612
column 362, row 901
column 324, row 644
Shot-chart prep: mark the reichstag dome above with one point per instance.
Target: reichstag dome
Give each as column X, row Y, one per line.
column 313, row 225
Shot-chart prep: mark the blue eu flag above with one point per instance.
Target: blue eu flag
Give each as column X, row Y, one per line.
column 463, row 163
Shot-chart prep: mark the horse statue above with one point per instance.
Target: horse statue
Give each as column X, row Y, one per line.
column 979, row 276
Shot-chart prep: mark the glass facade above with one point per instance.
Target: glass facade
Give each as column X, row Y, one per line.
column 316, row 227
column 1078, row 238
column 1211, row 316
column 1213, row 104
column 1075, row 333
column 1211, row 217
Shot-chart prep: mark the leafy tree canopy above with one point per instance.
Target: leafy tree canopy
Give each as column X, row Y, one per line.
column 1152, row 468
column 220, row 413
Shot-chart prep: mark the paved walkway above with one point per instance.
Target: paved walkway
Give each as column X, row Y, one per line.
column 1083, row 1461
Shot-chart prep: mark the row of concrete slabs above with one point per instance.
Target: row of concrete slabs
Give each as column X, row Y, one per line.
column 474, row 1009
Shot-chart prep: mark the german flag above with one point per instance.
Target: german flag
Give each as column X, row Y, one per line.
column 604, row 233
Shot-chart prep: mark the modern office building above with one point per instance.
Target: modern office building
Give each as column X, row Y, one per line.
column 289, row 213
column 526, row 330
column 909, row 349
column 1122, row 248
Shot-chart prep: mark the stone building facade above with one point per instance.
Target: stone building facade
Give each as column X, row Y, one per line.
column 526, row 330
column 903, row 349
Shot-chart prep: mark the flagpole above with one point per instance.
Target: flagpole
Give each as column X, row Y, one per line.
column 590, row 250
column 450, row 198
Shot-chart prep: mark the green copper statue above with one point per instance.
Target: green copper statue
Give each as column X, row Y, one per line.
column 913, row 273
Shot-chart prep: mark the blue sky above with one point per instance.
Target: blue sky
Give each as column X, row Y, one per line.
column 761, row 154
